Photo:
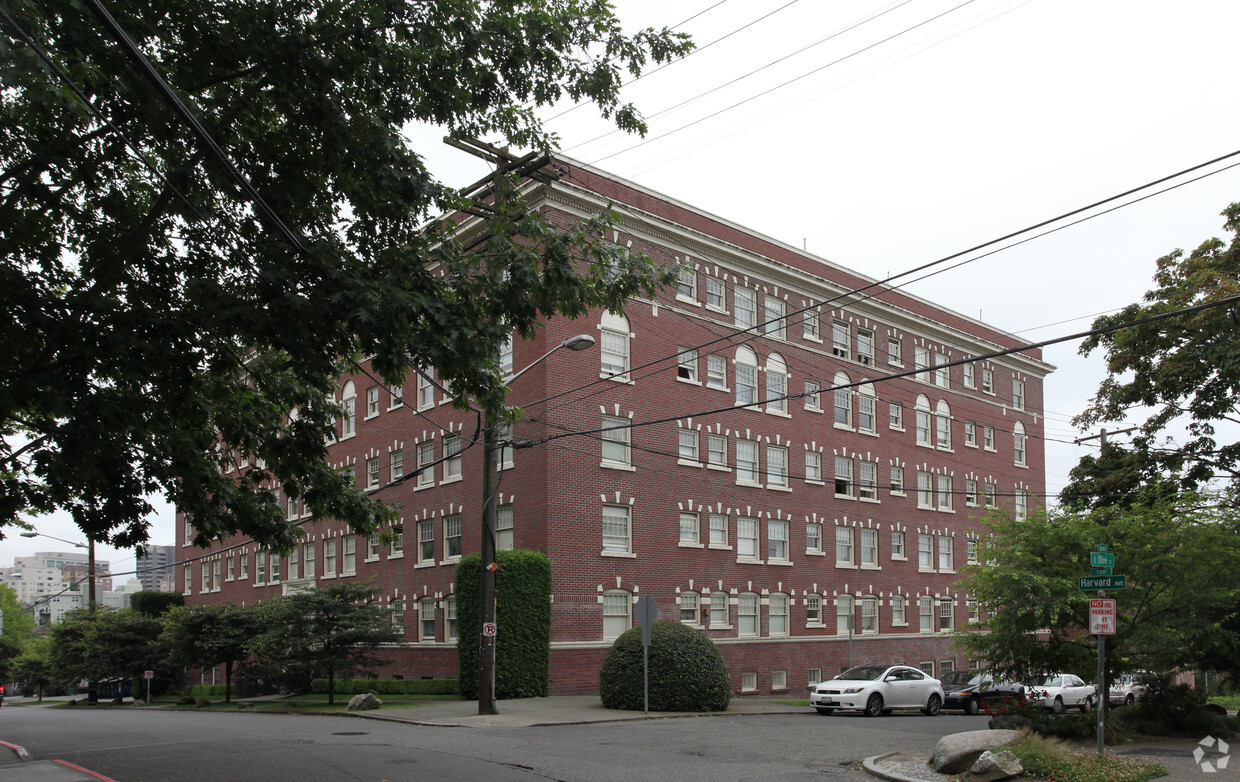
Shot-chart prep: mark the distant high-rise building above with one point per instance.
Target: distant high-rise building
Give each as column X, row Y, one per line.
column 156, row 571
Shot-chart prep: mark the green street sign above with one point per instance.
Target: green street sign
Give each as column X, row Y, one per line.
column 1094, row 583
column 1100, row 571
column 1102, row 547
column 1101, row 559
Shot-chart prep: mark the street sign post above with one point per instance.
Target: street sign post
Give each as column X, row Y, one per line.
column 647, row 612
column 1103, row 617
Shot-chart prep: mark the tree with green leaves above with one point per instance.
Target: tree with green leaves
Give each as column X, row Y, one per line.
column 105, row 644
column 191, row 250
column 1184, row 368
column 1177, row 558
column 331, row 631
column 18, row 619
column 204, row 636
column 154, row 603
column 32, row 669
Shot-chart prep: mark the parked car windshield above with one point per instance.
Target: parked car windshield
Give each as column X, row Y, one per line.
column 866, row 673
column 961, row 678
column 1047, row 681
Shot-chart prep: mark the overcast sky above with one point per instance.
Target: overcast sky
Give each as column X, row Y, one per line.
column 908, row 131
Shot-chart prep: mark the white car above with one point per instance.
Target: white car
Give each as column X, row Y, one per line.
column 878, row 689
column 1060, row 690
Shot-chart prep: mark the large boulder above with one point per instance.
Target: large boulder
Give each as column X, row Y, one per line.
column 364, row 702
column 957, row 752
column 992, row 767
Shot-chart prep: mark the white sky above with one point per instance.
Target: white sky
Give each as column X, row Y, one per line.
column 909, row 143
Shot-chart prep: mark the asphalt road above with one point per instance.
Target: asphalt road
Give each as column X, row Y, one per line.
column 178, row 746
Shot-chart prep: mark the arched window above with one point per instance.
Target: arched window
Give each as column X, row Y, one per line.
column 614, row 348
column 746, row 364
column 943, row 425
column 348, row 415
column 867, row 405
column 1018, row 443
column 923, row 420
column 843, row 400
column 776, row 384
column 617, row 613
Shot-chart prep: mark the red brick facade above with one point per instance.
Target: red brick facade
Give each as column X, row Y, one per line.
column 779, row 509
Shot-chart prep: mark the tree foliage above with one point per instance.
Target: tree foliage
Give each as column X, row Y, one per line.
column 105, row 644
column 154, row 603
column 330, row 631
column 205, row 636
column 1185, row 368
column 159, row 324
column 1176, row 557
column 18, row 619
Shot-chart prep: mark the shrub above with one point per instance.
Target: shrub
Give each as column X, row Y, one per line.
column 523, row 614
column 205, row 691
column 1048, row 759
column 1172, row 703
column 687, row 672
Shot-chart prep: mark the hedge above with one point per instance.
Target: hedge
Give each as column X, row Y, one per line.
column 205, row 691
column 523, row 615
column 388, row 686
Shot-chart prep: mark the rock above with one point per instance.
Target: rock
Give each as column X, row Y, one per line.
column 1009, row 722
column 991, row 768
column 957, row 752
column 364, row 702
column 202, row 703
column 185, row 701
column 1214, row 708
column 245, row 704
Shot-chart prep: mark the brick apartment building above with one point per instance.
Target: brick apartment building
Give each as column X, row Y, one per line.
column 735, row 449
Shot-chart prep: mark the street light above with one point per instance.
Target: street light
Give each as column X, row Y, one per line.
column 90, row 558
column 490, row 489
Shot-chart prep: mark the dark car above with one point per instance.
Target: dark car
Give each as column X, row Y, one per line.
column 973, row 691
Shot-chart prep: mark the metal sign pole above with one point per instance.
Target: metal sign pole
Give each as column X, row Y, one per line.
column 1104, row 695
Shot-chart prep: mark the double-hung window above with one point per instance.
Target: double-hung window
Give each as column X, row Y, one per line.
column 688, row 528
column 746, row 366
column 718, row 529
column 426, row 542
column 865, row 346
column 617, row 532
column 614, row 347
column 1018, row 394
column 776, row 466
column 811, row 396
column 452, row 457
column 746, row 303
column 867, row 480
column 686, row 365
column 426, row 464
column 715, row 294
column 777, row 615
column 841, row 336
column 869, row 548
column 615, row 436
column 776, row 385
column 504, row 517
column 777, row 541
column 686, row 283
column 843, row 546
column 946, row 554
column 746, row 461
column 813, row 466
column 843, row 476
column 747, row 614
column 617, row 613
column 717, row 450
column 747, row 537
column 773, row 316
column 925, row 552
column 687, row 445
column 452, row 537
column 716, row 372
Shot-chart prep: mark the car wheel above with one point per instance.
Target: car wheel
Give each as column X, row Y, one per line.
column 874, row 705
column 1057, row 706
column 1129, row 700
column 933, row 705
column 972, row 706
column 824, row 710
column 1087, row 705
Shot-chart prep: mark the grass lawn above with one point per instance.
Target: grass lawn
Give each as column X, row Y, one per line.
column 1050, row 759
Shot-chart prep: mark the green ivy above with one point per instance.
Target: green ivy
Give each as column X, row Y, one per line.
column 523, row 614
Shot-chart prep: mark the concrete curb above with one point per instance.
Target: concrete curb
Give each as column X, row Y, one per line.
column 20, row 752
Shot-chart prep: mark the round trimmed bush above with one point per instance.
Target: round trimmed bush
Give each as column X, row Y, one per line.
column 687, row 672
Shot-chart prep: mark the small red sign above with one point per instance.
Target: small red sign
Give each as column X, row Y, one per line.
column 489, row 629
